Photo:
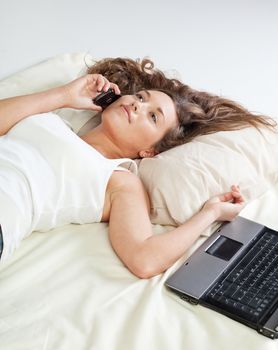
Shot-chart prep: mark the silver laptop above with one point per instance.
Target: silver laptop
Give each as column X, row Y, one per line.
column 235, row 272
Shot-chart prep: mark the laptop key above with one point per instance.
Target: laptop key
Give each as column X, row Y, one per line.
column 254, row 303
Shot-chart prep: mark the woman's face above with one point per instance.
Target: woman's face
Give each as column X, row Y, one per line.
column 136, row 122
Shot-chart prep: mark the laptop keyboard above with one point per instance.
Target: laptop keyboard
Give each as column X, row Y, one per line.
column 251, row 287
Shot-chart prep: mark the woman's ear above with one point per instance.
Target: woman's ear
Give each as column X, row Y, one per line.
column 148, row 153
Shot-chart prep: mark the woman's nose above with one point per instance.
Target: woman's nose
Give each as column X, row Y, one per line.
column 135, row 106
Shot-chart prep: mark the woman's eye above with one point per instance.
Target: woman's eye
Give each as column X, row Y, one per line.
column 140, row 97
column 154, row 117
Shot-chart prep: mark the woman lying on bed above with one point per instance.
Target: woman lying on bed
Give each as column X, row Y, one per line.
column 50, row 177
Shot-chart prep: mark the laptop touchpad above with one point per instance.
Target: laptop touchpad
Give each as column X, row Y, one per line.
column 224, row 248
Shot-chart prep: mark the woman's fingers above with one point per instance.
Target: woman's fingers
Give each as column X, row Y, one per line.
column 115, row 88
column 225, row 197
column 102, row 84
column 235, row 188
column 99, row 83
column 238, row 198
column 232, row 196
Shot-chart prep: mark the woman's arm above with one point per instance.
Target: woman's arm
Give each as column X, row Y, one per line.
column 14, row 109
column 77, row 94
column 130, row 229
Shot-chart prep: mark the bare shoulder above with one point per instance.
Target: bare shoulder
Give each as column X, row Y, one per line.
column 124, row 186
column 124, row 181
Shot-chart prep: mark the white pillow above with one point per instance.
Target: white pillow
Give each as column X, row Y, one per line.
column 50, row 73
column 180, row 180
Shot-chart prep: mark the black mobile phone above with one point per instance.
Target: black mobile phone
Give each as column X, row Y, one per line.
column 105, row 98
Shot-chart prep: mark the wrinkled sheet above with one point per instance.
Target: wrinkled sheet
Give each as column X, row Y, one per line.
column 66, row 289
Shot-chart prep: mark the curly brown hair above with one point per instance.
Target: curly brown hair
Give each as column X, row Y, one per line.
column 133, row 75
column 199, row 113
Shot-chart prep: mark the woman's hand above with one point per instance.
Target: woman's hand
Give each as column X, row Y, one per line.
column 80, row 92
column 226, row 206
column 77, row 94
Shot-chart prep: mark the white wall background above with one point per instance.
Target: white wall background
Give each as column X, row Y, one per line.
column 222, row 46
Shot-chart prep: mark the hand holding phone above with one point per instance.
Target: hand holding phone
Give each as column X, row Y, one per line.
column 104, row 99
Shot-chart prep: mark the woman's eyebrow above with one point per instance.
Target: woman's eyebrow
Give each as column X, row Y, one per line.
column 158, row 109
column 147, row 92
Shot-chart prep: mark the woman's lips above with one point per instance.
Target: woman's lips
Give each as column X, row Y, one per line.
column 127, row 111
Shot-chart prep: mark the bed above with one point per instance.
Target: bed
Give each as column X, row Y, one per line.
column 67, row 289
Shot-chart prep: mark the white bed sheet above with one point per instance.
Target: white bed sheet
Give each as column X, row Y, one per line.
column 66, row 289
